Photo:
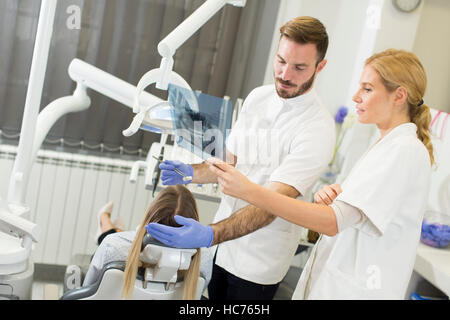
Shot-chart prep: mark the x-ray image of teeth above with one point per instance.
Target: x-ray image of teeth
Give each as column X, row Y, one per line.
column 201, row 121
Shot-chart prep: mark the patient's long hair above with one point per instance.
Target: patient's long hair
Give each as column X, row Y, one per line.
column 171, row 201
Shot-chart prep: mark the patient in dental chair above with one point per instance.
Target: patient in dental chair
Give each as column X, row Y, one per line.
column 118, row 245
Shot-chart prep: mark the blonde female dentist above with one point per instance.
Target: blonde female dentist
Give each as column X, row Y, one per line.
column 370, row 231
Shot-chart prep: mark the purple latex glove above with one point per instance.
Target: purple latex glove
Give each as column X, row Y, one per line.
column 170, row 177
column 191, row 234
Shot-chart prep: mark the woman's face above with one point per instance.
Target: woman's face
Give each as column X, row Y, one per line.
column 374, row 104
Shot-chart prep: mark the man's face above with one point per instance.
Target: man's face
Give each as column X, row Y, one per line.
column 295, row 67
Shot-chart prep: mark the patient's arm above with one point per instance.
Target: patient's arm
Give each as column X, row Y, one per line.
column 95, row 267
column 249, row 218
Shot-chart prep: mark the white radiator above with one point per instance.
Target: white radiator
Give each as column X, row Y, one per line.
column 65, row 192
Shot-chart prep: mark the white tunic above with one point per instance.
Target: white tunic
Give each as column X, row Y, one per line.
column 374, row 259
column 283, row 140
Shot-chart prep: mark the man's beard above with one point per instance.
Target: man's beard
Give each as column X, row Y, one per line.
column 303, row 88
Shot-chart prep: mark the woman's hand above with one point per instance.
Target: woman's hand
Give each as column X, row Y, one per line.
column 327, row 194
column 232, row 182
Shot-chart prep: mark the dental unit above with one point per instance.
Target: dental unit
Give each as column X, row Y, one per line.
column 17, row 233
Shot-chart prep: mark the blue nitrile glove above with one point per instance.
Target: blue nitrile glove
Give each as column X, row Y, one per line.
column 191, row 234
column 171, row 177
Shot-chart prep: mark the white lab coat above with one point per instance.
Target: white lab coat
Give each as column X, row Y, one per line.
column 284, row 140
column 375, row 258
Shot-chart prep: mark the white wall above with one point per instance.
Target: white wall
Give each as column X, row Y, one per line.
column 340, row 18
column 432, row 46
column 357, row 29
column 395, row 30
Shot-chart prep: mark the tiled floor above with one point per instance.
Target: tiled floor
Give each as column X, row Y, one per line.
column 48, row 277
column 51, row 277
column 37, row 292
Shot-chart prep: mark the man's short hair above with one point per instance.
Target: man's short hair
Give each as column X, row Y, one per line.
column 307, row 30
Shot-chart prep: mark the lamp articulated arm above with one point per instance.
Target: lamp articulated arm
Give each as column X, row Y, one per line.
column 164, row 75
column 35, row 125
column 169, row 45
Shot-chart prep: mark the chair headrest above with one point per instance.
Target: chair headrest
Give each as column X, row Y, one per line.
column 148, row 239
column 165, row 261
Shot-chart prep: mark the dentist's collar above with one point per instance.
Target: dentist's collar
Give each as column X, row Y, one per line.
column 301, row 99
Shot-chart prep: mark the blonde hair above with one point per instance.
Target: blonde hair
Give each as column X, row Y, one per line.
column 400, row 68
column 307, row 30
column 171, row 201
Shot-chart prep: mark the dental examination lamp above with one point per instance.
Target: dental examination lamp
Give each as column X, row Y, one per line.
column 152, row 114
column 164, row 75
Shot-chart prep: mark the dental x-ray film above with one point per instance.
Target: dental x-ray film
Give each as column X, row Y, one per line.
column 201, row 122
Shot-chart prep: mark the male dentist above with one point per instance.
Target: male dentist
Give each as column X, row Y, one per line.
column 283, row 139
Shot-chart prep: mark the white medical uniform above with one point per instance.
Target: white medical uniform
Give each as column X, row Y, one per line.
column 283, row 140
column 374, row 258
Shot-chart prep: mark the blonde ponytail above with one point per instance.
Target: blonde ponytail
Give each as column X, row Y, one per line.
column 421, row 116
column 400, row 68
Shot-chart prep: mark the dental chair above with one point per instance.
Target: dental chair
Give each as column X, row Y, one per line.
column 17, row 234
column 16, row 266
column 158, row 281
